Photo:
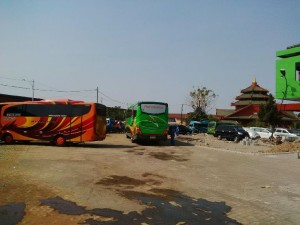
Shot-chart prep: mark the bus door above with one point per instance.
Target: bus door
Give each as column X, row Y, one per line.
column 80, row 121
column 76, row 121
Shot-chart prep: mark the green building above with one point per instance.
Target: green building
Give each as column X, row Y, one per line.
column 288, row 73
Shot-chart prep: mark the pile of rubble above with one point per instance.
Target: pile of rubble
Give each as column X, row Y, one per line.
column 259, row 145
column 285, row 146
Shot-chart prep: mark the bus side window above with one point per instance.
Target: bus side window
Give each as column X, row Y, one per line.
column 80, row 110
column 37, row 110
column 17, row 110
column 101, row 109
column 33, row 110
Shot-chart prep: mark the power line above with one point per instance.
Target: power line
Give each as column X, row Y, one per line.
column 58, row 91
column 13, row 86
column 114, row 100
column 74, row 91
column 9, row 78
column 50, row 90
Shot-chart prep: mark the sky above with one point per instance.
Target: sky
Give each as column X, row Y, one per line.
column 142, row 50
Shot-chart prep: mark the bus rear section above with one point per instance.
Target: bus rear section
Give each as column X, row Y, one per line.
column 147, row 121
column 54, row 121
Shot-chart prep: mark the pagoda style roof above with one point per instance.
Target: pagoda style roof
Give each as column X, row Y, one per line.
column 247, row 106
column 248, row 102
column 252, row 96
column 289, row 116
column 224, row 112
column 247, row 112
column 254, row 87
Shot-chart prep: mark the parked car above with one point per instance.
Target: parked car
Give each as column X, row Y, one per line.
column 110, row 127
column 295, row 131
column 252, row 133
column 181, row 129
column 285, row 134
column 212, row 125
column 263, row 132
column 198, row 126
column 231, row 132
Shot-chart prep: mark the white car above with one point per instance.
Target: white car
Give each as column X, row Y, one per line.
column 263, row 132
column 285, row 134
column 252, row 133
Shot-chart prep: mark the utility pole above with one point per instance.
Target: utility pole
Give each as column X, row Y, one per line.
column 32, row 90
column 181, row 113
column 31, row 82
column 97, row 95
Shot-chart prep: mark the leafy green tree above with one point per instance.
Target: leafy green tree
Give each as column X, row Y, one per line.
column 197, row 115
column 201, row 99
column 115, row 113
column 268, row 113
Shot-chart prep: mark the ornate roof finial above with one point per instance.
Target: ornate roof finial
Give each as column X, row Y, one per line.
column 254, row 83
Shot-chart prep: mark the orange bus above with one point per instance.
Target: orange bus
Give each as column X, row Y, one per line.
column 58, row 121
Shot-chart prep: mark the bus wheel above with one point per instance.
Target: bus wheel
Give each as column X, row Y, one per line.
column 60, row 141
column 8, row 139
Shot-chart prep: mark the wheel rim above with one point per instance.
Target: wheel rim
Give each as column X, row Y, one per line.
column 60, row 141
column 8, row 139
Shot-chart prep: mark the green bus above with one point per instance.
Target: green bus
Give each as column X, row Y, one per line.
column 147, row 121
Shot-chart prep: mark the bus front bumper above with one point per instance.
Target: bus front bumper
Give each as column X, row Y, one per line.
column 150, row 137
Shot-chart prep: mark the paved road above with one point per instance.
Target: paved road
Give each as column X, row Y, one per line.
column 117, row 182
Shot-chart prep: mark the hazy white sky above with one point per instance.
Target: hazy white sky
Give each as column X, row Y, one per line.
column 142, row 50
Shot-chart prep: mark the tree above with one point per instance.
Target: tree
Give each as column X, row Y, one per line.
column 268, row 113
column 115, row 113
column 197, row 115
column 201, row 99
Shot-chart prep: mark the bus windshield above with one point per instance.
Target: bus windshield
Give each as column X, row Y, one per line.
column 153, row 108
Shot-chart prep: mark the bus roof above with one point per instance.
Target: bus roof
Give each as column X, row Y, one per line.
column 147, row 102
column 48, row 101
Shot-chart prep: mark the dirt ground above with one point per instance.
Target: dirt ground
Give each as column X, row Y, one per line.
column 200, row 180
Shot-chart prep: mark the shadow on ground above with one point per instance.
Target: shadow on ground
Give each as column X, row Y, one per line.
column 178, row 142
column 12, row 213
column 74, row 145
column 164, row 206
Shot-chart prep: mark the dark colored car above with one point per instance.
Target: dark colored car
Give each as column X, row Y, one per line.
column 181, row 129
column 231, row 132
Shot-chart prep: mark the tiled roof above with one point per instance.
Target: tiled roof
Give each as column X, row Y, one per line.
column 254, row 88
column 178, row 115
column 252, row 96
column 224, row 112
column 248, row 102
